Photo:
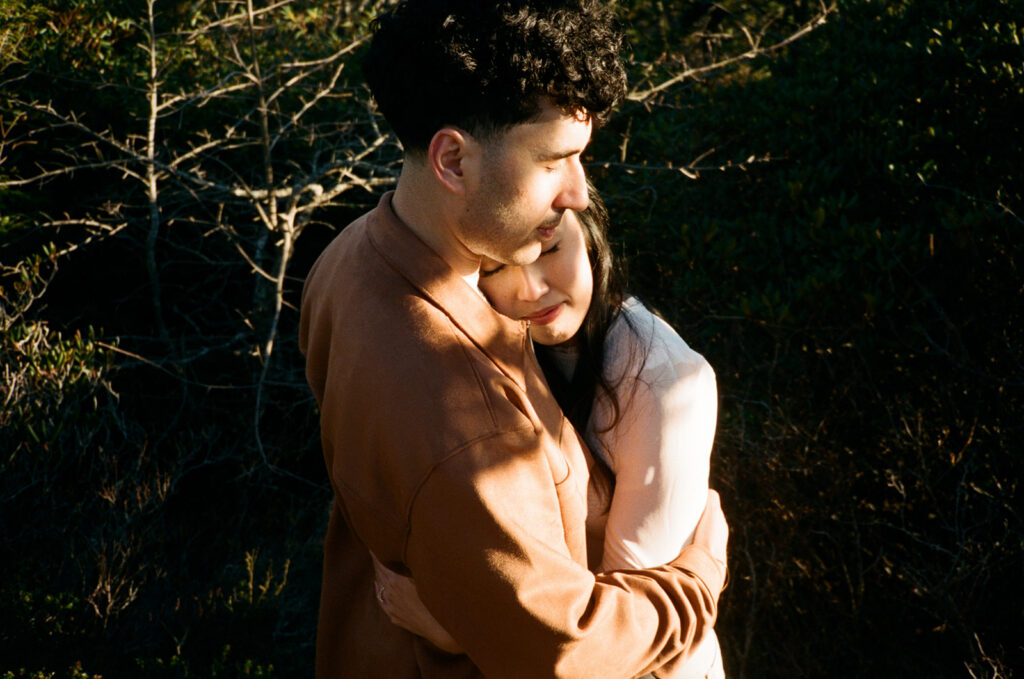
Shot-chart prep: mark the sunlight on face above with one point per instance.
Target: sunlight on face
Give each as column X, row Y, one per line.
column 553, row 293
column 526, row 179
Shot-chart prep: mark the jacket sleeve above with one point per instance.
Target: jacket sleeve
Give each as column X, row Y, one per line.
column 487, row 548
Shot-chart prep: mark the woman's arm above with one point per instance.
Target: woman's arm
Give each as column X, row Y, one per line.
column 398, row 598
column 660, row 452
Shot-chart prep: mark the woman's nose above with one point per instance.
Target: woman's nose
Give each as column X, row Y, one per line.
column 533, row 284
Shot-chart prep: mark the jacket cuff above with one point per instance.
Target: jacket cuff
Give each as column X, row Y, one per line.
column 698, row 560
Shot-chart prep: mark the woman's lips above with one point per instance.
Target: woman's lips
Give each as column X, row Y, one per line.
column 545, row 316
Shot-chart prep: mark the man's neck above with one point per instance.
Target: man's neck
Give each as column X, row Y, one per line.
column 428, row 214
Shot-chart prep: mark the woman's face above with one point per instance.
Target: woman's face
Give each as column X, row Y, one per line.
column 553, row 293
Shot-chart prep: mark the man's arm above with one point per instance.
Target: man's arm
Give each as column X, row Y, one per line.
column 399, row 598
column 487, row 549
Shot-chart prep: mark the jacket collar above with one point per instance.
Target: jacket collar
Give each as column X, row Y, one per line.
column 504, row 340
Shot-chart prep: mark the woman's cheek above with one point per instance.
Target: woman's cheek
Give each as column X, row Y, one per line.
column 500, row 297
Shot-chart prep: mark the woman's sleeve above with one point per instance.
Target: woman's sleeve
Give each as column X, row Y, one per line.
column 661, row 450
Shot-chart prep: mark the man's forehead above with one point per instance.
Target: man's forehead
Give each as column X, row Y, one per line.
column 554, row 137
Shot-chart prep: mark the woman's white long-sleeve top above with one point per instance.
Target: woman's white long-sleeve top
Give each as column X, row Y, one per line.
column 659, row 449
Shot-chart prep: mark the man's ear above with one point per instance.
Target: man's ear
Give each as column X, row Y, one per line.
column 449, row 155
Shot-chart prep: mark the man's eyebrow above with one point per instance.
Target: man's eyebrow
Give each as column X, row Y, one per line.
column 545, row 155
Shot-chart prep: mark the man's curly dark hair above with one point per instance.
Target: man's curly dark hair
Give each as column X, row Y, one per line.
column 485, row 65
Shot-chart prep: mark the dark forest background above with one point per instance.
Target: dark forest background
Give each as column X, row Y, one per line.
column 825, row 199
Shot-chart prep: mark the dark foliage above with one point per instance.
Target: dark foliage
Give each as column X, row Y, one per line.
column 854, row 275
column 848, row 258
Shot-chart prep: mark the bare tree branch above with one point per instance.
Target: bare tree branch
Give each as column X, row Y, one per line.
column 754, row 50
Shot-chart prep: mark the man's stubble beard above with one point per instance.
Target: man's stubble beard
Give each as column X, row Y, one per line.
column 500, row 231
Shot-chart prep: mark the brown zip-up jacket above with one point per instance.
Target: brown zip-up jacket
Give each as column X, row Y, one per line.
column 451, row 461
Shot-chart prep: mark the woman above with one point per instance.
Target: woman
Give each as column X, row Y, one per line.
column 645, row 402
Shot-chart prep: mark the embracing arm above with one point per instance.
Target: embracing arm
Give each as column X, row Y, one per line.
column 398, row 598
column 491, row 563
column 401, row 601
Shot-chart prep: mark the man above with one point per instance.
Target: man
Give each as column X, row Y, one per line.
column 449, row 458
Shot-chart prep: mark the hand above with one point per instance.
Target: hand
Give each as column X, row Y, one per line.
column 401, row 602
column 712, row 531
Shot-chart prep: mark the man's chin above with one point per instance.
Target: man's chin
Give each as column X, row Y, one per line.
column 525, row 255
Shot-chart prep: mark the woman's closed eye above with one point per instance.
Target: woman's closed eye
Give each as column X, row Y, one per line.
column 497, row 267
column 484, row 273
column 552, row 249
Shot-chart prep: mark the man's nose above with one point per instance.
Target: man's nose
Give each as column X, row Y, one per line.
column 574, row 191
column 533, row 284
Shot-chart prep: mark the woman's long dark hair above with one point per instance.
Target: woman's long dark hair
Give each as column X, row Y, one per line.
column 577, row 395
